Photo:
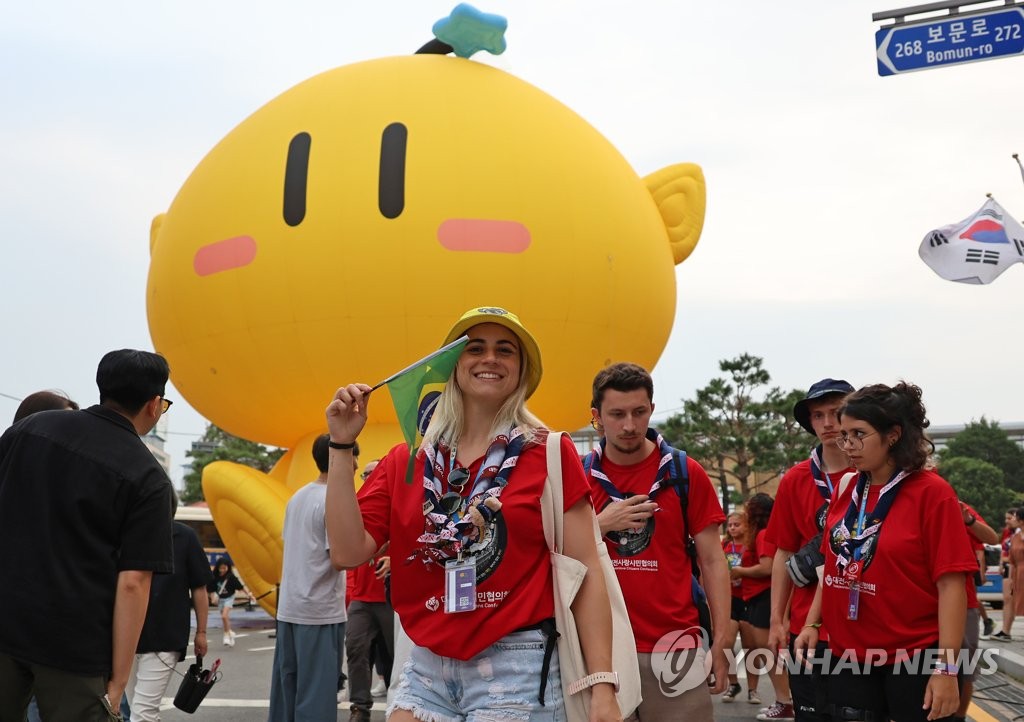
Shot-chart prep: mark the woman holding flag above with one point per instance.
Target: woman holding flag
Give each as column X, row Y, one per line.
column 471, row 575
column 893, row 598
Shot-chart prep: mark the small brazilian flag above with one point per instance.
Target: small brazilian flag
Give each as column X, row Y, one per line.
column 416, row 389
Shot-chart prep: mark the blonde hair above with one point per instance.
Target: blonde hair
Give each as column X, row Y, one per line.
column 446, row 425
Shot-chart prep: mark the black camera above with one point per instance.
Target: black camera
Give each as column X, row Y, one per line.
column 803, row 566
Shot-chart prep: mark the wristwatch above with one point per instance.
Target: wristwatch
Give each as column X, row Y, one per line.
column 596, row 678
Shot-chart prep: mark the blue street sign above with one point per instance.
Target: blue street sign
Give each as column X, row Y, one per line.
column 950, row 41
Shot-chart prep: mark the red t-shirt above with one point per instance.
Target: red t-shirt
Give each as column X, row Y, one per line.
column 976, row 543
column 734, row 556
column 976, row 546
column 750, row 587
column 793, row 523
column 656, row 578
column 920, row 540
column 362, row 584
column 514, row 591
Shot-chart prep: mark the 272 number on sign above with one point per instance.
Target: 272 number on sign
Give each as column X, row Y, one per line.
column 1007, row 32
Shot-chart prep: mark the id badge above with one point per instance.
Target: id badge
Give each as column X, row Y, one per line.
column 460, row 585
column 853, row 608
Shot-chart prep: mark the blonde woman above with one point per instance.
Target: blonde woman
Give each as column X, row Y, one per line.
column 470, row 523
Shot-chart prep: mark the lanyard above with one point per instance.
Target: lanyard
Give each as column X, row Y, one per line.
column 858, row 528
column 852, row 548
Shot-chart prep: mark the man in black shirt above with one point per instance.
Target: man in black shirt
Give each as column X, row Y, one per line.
column 164, row 638
column 85, row 521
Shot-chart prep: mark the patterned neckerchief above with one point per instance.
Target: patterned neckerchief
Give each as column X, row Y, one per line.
column 821, row 478
column 865, row 525
column 445, row 536
column 665, row 476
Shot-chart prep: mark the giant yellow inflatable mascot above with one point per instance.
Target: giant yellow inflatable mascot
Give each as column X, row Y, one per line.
column 335, row 234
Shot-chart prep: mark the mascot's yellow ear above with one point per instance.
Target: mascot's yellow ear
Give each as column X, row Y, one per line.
column 678, row 191
column 154, row 230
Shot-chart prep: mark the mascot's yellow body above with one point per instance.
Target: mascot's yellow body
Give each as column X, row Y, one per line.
column 337, row 233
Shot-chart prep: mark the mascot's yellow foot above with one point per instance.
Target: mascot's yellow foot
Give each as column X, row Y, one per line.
column 248, row 509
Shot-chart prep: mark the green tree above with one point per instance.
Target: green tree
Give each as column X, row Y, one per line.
column 218, row 445
column 986, row 441
column 738, row 425
column 980, row 484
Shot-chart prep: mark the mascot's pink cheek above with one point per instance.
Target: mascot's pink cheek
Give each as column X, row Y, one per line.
column 473, row 234
column 224, row 255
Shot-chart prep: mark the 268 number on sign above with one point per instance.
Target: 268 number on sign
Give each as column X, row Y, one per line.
column 909, row 48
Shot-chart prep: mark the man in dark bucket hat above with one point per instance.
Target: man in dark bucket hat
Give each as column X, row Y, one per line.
column 818, row 391
column 795, row 526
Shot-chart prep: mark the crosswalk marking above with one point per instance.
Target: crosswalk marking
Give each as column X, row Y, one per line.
column 168, row 703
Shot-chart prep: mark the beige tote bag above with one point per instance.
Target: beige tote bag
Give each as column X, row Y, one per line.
column 567, row 574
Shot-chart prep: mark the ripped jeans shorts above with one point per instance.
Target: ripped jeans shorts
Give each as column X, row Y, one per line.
column 501, row 684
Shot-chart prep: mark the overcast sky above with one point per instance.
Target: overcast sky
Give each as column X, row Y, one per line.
column 822, row 176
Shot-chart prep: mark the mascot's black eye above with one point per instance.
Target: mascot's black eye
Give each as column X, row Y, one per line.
column 296, row 173
column 391, row 191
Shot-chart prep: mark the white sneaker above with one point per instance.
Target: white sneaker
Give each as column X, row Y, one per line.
column 380, row 689
column 229, row 639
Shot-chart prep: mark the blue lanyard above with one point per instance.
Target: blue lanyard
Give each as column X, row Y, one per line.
column 890, row 486
column 859, row 528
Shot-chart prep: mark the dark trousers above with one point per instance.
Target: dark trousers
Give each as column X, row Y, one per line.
column 887, row 692
column 808, row 688
column 366, row 620
column 61, row 696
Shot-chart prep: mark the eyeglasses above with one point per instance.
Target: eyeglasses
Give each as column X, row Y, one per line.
column 854, row 440
column 165, row 405
column 451, row 501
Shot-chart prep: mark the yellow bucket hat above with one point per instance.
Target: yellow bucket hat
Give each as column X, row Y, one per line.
column 493, row 314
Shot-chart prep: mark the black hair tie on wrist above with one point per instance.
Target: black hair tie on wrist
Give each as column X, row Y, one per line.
column 336, row 445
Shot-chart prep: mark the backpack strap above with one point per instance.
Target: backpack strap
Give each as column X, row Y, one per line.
column 683, row 486
column 683, row 489
column 588, row 462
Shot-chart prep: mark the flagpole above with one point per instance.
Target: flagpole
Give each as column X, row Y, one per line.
column 1017, row 158
column 425, row 359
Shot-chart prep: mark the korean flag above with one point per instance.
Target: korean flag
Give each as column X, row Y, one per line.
column 977, row 249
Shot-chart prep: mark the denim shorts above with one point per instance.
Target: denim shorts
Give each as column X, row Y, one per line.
column 501, row 682
column 228, row 602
